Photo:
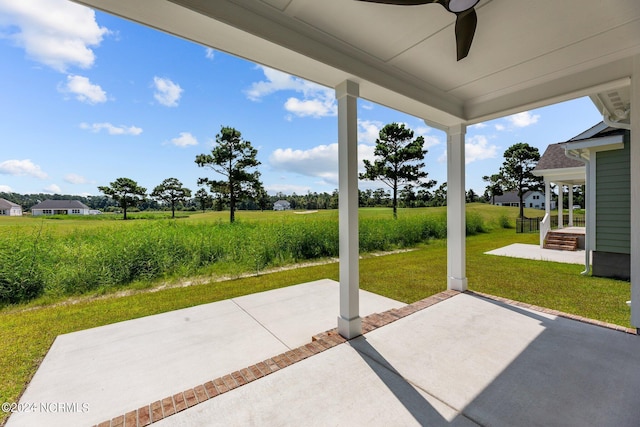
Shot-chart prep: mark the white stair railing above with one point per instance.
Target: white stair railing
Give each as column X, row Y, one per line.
column 545, row 227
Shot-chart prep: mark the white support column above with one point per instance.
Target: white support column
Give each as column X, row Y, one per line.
column 570, row 187
column 456, row 224
column 560, row 203
column 635, row 193
column 547, row 198
column 349, row 322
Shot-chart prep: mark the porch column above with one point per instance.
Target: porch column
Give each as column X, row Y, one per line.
column 570, row 188
column 456, row 225
column 349, row 322
column 635, row 193
column 560, row 203
column 547, row 198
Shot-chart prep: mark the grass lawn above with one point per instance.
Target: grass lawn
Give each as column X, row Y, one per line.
column 28, row 332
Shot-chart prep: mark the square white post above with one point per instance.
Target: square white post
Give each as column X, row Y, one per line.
column 456, row 224
column 635, row 193
column 560, row 203
column 349, row 322
column 570, row 188
column 547, row 197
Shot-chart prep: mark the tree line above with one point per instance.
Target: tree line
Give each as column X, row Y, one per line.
column 399, row 164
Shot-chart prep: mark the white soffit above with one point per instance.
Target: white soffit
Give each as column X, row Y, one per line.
column 525, row 53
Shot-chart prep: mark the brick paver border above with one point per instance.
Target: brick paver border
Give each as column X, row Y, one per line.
column 171, row 405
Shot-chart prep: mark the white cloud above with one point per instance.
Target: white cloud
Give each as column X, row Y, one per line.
column 475, row 148
column 84, row 90
column 73, row 178
column 429, row 140
column 167, row 92
column 111, row 129
column 519, row 120
column 478, row 126
column 320, row 161
column 22, row 168
column 57, row 33
column 316, row 108
column 52, row 189
column 523, row 119
column 317, row 101
column 184, row 140
column 5, row 189
column 209, row 53
column 369, row 130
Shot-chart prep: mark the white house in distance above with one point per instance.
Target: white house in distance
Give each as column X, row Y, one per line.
column 60, row 207
column 281, row 205
column 531, row 199
column 8, row 208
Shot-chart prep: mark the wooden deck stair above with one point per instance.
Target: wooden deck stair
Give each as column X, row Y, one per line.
column 561, row 241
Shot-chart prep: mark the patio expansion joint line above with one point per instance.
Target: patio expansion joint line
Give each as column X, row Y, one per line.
column 260, row 323
column 171, row 405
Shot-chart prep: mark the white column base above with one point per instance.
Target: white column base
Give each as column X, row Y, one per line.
column 456, row 284
column 350, row 328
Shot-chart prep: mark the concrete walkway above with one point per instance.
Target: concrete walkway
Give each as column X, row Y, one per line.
column 103, row 371
column 521, row 250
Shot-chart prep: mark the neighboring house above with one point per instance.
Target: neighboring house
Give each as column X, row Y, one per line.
column 531, row 199
column 8, row 208
column 281, row 205
column 60, row 207
column 600, row 159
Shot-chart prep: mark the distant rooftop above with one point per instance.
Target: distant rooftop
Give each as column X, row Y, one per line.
column 60, row 204
column 5, row 204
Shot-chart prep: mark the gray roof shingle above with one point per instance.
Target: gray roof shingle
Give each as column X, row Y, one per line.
column 554, row 158
column 5, row 204
column 60, row 204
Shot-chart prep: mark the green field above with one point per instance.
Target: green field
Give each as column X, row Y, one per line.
column 28, row 330
column 46, row 259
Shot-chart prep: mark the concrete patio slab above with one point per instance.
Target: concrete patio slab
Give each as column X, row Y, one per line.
column 464, row 361
column 122, row 366
column 290, row 313
column 521, row 250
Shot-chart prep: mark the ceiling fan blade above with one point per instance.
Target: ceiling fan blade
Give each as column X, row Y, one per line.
column 465, row 29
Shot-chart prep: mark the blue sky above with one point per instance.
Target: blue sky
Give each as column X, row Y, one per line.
column 86, row 98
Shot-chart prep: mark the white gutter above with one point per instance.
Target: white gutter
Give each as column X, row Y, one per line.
column 617, row 123
column 588, row 211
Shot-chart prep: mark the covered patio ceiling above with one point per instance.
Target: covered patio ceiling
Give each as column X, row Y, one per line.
column 525, row 54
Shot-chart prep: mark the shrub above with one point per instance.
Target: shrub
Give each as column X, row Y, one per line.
column 20, row 276
column 117, row 253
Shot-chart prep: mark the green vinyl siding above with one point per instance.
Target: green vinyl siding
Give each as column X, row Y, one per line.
column 613, row 200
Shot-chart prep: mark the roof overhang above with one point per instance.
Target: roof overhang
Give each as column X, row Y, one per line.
column 606, row 143
column 524, row 55
column 574, row 175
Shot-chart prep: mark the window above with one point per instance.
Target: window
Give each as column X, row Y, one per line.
column 75, row 211
column 47, row 212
